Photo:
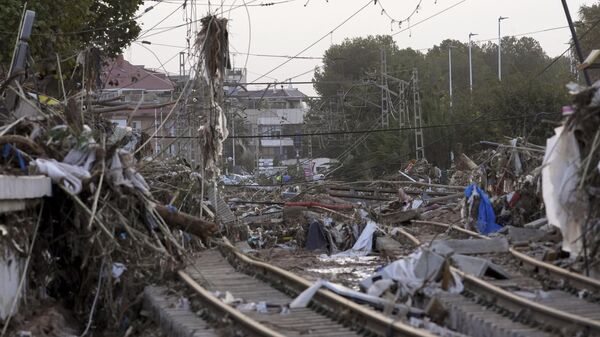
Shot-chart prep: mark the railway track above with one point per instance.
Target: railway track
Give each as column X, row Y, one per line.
column 490, row 306
column 560, row 276
column 555, row 310
column 272, row 289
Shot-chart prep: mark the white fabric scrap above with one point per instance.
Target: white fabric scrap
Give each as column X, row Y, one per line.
column 121, row 173
column 116, row 171
column 363, row 245
column 302, row 300
column 565, row 207
column 60, row 173
column 516, row 158
column 84, row 158
column 379, row 287
column 118, row 269
column 403, row 272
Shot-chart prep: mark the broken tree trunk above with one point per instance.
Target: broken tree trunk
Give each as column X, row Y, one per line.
column 187, row 223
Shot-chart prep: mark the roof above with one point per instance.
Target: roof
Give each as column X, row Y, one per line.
column 269, row 93
column 120, row 74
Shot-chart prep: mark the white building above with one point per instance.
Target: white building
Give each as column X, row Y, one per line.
column 271, row 113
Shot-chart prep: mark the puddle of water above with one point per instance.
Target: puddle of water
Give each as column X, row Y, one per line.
column 348, row 271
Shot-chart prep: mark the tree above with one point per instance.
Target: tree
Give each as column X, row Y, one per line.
column 588, row 32
column 68, row 27
column 492, row 111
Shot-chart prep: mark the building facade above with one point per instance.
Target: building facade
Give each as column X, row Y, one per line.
column 276, row 115
column 130, row 84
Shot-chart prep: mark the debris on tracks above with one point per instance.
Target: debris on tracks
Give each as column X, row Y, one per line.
column 102, row 235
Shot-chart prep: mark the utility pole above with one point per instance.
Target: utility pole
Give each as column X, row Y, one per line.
column 500, row 48
column 450, row 73
column 470, row 63
column 233, row 139
column 385, row 113
column 576, row 41
column 20, row 56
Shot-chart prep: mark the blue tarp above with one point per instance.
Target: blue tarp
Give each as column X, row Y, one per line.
column 486, row 219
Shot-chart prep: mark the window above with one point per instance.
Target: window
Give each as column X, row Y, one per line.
column 270, row 130
column 136, row 125
column 119, row 122
column 277, row 105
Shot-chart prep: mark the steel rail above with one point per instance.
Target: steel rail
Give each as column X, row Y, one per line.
column 215, row 303
column 358, row 315
column 505, row 299
column 574, row 279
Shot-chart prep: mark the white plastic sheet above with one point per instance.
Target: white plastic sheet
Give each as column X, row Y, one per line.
column 118, row 269
column 516, row 158
column 302, row 300
column 403, row 272
column 122, row 173
column 60, row 173
column 566, row 207
column 364, row 243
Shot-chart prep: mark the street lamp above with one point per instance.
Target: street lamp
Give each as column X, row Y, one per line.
column 500, row 48
column 470, row 64
column 450, row 73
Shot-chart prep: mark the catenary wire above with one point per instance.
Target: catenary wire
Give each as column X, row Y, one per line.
column 429, row 17
column 92, row 29
column 343, row 132
column 318, row 40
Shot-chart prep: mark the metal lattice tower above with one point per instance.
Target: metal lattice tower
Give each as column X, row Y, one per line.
column 403, row 115
column 385, row 93
column 419, row 146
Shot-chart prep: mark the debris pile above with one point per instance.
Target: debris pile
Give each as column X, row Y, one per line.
column 172, row 181
column 102, row 231
column 571, row 178
column 106, row 231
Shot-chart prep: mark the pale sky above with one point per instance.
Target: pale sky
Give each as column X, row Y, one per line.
column 289, row 27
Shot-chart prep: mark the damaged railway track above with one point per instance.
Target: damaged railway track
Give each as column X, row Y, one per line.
column 563, row 303
column 560, row 277
column 259, row 283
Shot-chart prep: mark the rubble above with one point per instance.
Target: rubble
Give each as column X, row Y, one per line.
column 117, row 219
column 474, row 246
column 101, row 235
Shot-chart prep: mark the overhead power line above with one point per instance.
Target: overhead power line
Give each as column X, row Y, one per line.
column 368, row 131
column 566, row 50
column 76, row 32
column 159, row 22
column 317, row 41
column 170, row 28
column 280, row 56
column 400, row 21
column 524, row 34
column 429, row 17
column 262, row 4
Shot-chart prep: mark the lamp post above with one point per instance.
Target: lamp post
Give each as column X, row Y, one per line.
column 500, row 48
column 450, row 74
column 470, row 64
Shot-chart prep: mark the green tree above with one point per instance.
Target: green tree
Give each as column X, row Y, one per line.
column 68, row 27
column 492, row 111
column 588, row 32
